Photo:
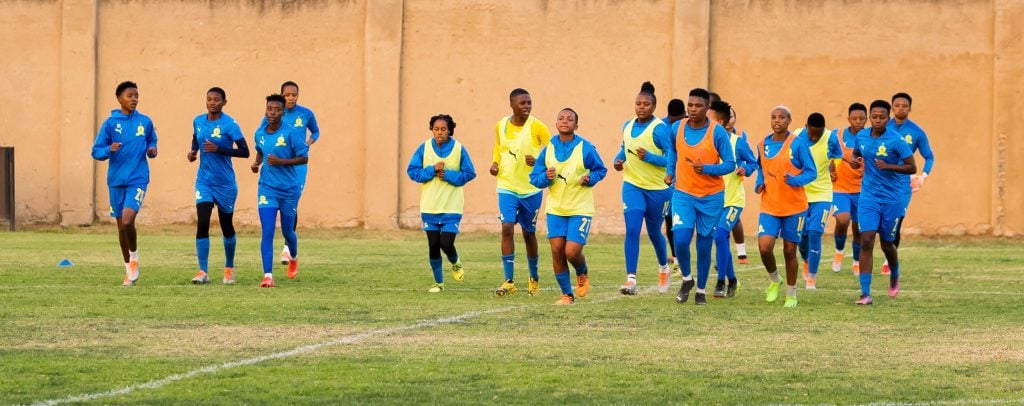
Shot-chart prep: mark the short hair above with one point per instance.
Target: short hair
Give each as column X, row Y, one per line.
column 121, row 87
column 902, row 95
column 883, row 104
column 857, row 106
column 698, row 92
column 289, row 83
column 648, row 89
column 516, row 92
column 215, row 89
column 713, row 97
column 676, row 107
column 816, row 120
column 447, row 119
column 783, row 107
column 722, row 108
column 573, row 113
column 276, row 98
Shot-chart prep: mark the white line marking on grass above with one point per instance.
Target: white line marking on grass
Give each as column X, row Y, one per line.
column 346, row 340
column 950, row 402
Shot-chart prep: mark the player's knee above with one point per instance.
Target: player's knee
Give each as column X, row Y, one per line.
column 508, row 229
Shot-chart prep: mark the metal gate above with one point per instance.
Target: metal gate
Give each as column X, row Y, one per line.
column 7, row 189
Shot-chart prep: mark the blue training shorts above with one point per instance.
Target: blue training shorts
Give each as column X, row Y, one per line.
column 730, row 215
column 817, row 216
column 223, row 197
column 789, row 227
column 443, row 222
column 288, row 205
column 880, row 217
column 573, row 228
column 846, row 203
column 634, row 198
column 522, row 210
column 700, row 213
column 126, row 197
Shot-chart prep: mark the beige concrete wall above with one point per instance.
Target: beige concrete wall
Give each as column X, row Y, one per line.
column 375, row 71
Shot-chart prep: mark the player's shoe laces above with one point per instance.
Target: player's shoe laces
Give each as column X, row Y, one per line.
column 812, row 283
column 885, row 269
column 267, row 282
column 790, row 301
column 293, row 268
column 730, row 291
column 700, row 299
column 285, row 256
column 566, row 300
column 507, row 288
column 664, row 281
column 742, row 260
column 837, row 262
column 772, row 293
column 894, row 288
column 458, row 273
column 582, row 285
column 864, row 300
column 629, row 287
column 533, row 287
column 201, row 278
column 436, row 288
column 720, row 288
column 229, row 276
column 684, row 291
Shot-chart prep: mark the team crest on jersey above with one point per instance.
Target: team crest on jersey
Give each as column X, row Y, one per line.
column 298, row 121
column 216, row 132
column 263, row 200
column 280, row 142
column 140, row 131
column 908, row 139
column 882, row 151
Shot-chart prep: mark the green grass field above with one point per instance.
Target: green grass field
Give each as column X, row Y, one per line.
column 357, row 326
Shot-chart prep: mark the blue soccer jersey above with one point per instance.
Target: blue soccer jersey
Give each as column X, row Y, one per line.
column 282, row 181
column 129, row 165
column 299, row 118
column 215, row 168
column 882, row 186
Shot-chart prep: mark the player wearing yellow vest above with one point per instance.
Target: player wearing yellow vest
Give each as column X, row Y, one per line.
column 676, row 112
column 519, row 138
column 824, row 150
column 443, row 166
column 737, row 229
column 569, row 167
column 645, row 195
column 735, row 201
column 846, row 189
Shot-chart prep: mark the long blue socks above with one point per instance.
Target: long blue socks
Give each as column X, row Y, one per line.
column 508, row 265
column 229, row 251
column 435, row 267
column 865, row 283
column 203, row 253
column 682, row 238
column 814, row 251
column 634, row 221
column 723, row 255
column 268, row 216
column 704, row 243
column 840, row 243
column 532, row 262
column 563, row 283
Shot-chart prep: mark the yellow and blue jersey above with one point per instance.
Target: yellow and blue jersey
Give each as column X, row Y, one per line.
column 653, row 136
column 511, row 146
column 280, row 181
column 823, row 152
column 571, row 160
column 441, row 196
column 735, row 194
column 882, row 186
column 129, row 165
column 215, row 168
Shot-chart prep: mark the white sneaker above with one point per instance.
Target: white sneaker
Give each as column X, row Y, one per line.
column 664, row 280
column 201, row 278
column 285, row 256
column 628, row 288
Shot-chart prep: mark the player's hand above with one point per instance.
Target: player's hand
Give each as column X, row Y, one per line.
column 439, row 174
column 641, row 153
column 759, row 189
column 856, row 163
column 530, row 160
column 740, row 170
column 550, row 173
column 618, row 165
column 209, row 146
column 439, row 166
column 310, row 141
column 880, row 164
column 192, row 155
column 697, row 166
column 273, row 160
column 916, row 181
column 151, row 152
column 114, row 146
column 494, row 169
column 255, row 167
column 669, row 179
column 585, row 180
column 832, row 171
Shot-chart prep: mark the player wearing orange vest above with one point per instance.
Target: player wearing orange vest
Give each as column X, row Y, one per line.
column 846, row 189
column 785, row 165
column 700, row 155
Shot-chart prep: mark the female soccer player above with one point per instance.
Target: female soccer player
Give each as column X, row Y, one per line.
column 569, row 166
column 846, row 189
column 735, row 201
column 645, row 140
column 785, row 167
column 281, row 149
column 442, row 165
column 824, row 149
column 218, row 134
column 737, row 229
column 302, row 119
column 126, row 138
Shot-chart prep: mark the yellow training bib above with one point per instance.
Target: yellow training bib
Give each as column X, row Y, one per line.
column 638, row 173
column 567, row 196
column 735, row 194
column 438, row 196
column 514, row 146
column 820, row 190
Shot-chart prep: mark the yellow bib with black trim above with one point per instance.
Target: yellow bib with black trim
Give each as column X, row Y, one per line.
column 567, row 196
column 438, row 196
column 735, row 194
column 513, row 172
column 638, row 173
column 820, row 190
